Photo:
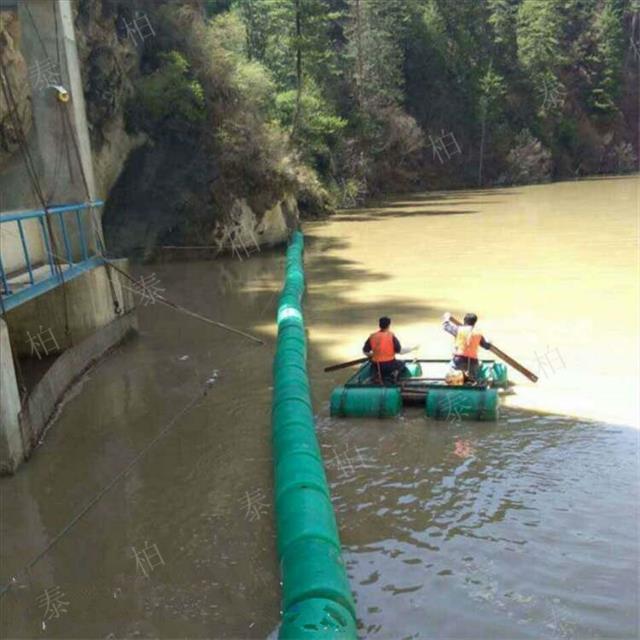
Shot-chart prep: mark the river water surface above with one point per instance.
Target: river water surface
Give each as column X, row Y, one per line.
column 524, row 528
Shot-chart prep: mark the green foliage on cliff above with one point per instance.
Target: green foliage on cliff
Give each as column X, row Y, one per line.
column 169, row 97
column 360, row 91
column 361, row 84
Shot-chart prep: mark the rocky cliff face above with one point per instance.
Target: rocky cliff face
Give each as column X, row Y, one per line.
column 160, row 184
column 109, row 68
column 18, row 78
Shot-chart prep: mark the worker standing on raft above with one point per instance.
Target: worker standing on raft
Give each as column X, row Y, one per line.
column 381, row 347
column 466, row 343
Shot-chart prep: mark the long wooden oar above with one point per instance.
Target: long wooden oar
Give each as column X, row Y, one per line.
column 503, row 356
column 344, row 365
column 351, row 363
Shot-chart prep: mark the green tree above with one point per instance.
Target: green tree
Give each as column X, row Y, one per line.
column 503, row 20
column 168, row 98
column 541, row 51
column 318, row 126
column 375, row 35
column 492, row 88
column 609, row 32
column 539, row 34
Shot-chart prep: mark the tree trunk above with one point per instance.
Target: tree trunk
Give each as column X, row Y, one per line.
column 359, row 61
column 296, row 117
column 482, row 136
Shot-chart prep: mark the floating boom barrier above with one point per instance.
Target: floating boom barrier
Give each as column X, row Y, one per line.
column 317, row 603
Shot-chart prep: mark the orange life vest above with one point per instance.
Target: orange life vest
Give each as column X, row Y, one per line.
column 467, row 342
column 382, row 346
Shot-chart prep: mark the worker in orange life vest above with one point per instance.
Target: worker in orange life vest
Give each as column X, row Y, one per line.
column 467, row 339
column 381, row 347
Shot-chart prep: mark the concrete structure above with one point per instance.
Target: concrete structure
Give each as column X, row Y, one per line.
column 75, row 87
column 57, row 134
column 76, row 327
column 11, row 440
column 63, row 307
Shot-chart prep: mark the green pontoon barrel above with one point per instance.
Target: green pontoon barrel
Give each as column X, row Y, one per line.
column 317, row 618
column 470, row 403
column 494, row 372
column 366, row 402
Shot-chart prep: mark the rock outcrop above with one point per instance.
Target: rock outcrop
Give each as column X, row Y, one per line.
column 17, row 75
column 162, row 183
column 110, row 66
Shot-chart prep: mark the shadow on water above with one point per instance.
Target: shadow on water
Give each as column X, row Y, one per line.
column 514, row 522
column 380, row 215
column 420, row 204
column 504, row 519
column 395, row 200
column 510, row 521
column 331, row 281
column 445, row 197
column 197, row 504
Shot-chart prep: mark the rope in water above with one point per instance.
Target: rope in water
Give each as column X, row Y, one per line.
column 92, row 503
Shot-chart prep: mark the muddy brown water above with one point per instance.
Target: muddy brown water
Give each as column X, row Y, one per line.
column 526, row 528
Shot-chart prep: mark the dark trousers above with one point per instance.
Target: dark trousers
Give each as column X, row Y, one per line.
column 468, row 365
column 388, row 371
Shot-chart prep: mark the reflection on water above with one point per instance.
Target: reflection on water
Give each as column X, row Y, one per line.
column 537, row 519
column 183, row 544
column 527, row 528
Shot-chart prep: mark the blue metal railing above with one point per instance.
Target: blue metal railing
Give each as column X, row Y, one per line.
column 56, row 213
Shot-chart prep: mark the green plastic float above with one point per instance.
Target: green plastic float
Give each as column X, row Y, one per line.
column 363, row 396
column 315, row 569
column 317, row 603
column 359, row 399
column 469, row 403
column 317, row 618
column 494, row 372
column 369, row 402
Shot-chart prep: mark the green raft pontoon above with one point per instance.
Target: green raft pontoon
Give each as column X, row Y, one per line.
column 363, row 395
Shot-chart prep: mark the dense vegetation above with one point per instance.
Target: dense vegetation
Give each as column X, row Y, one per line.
column 337, row 100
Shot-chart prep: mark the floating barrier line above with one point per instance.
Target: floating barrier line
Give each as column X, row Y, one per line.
column 316, row 597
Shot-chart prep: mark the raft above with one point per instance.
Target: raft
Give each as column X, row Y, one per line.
column 363, row 395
